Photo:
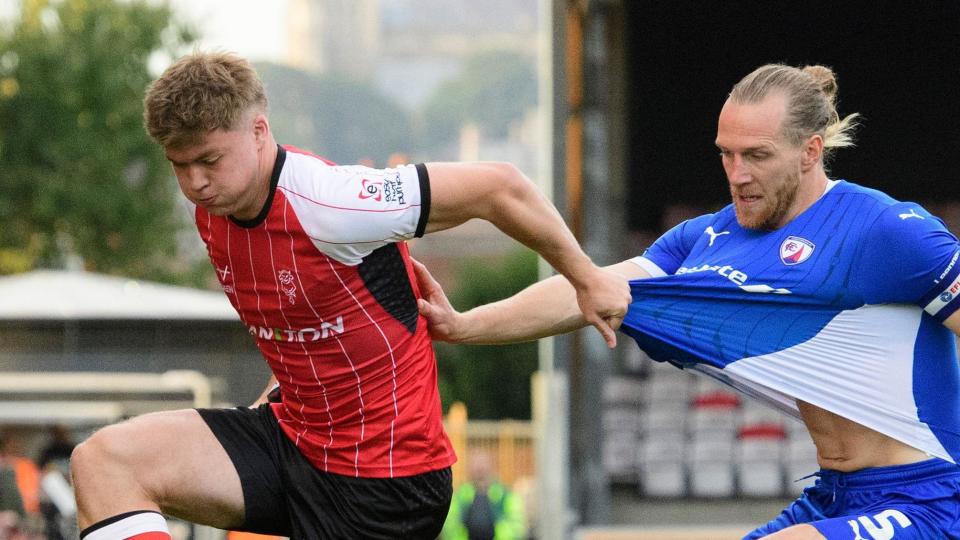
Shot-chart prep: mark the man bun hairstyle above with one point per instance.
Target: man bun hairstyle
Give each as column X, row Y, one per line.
column 811, row 93
column 200, row 93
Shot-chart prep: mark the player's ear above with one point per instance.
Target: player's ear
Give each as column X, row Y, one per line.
column 811, row 153
column 260, row 128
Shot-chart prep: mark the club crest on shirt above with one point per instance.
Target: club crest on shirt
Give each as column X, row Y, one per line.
column 226, row 280
column 795, row 250
column 286, row 285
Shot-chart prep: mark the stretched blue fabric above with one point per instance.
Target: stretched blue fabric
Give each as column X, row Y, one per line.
column 842, row 308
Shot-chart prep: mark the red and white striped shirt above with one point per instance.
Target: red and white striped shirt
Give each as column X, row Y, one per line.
column 323, row 281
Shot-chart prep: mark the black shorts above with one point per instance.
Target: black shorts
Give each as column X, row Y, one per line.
column 285, row 495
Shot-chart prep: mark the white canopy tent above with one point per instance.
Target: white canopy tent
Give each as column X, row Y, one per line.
column 77, row 295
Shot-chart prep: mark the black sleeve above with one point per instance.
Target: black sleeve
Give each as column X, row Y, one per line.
column 424, row 199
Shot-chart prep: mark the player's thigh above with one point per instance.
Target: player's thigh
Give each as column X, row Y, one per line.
column 796, row 532
column 789, row 523
column 178, row 462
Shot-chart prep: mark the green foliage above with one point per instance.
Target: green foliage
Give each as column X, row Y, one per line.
column 494, row 89
column 493, row 381
column 341, row 119
column 78, row 174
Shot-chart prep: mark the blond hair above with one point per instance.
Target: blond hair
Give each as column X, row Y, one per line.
column 811, row 94
column 199, row 93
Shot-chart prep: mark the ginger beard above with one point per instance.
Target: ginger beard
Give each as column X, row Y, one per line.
column 760, row 210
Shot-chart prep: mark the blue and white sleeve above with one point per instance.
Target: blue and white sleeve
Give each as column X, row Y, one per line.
column 911, row 258
column 667, row 254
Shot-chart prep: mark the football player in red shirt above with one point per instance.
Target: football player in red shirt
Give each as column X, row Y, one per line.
column 313, row 257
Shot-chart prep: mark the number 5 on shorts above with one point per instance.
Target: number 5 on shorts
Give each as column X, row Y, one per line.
column 884, row 531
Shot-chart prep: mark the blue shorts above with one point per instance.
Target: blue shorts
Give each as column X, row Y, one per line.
column 919, row 501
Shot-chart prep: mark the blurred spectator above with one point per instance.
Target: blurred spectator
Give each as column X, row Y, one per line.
column 57, row 505
column 57, row 452
column 25, row 472
column 11, row 503
column 12, row 511
column 483, row 508
column 9, row 521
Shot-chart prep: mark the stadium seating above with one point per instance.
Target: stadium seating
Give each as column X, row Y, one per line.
column 674, row 434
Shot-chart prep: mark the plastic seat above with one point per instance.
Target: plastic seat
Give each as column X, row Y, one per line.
column 660, row 464
column 759, row 451
column 624, row 391
column 620, row 456
column 710, row 464
column 714, row 411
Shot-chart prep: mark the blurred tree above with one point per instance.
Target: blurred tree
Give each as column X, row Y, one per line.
column 494, row 89
column 493, row 381
column 78, row 174
column 343, row 120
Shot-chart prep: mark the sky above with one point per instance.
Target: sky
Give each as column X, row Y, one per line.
column 254, row 29
column 8, row 8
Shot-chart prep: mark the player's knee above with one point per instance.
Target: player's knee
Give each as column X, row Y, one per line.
column 107, row 449
column 85, row 458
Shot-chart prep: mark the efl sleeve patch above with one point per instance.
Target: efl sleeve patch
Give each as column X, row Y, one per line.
column 942, row 300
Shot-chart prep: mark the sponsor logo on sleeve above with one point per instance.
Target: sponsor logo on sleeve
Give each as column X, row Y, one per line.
column 384, row 190
column 393, row 190
column 953, row 261
column 371, row 189
column 795, row 250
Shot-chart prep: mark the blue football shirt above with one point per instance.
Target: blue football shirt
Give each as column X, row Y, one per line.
column 841, row 308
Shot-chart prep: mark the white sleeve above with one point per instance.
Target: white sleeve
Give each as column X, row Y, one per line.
column 349, row 211
column 648, row 265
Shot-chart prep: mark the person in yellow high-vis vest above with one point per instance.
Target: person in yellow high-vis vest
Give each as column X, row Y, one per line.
column 483, row 508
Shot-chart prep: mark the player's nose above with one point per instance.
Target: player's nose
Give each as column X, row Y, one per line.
column 738, row 173
column 193, row 179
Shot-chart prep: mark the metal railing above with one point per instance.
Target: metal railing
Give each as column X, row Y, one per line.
column 96, row 398
column 509, row 442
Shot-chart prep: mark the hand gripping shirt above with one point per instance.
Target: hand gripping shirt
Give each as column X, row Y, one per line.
column 323, row 282
column 841, row 308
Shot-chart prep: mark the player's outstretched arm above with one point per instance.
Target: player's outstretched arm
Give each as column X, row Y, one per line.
column 546, row 308
column 502, row 195
column 953, row 323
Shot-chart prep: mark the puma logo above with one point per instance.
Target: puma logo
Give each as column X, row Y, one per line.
column 713, row 235
column 911, row 214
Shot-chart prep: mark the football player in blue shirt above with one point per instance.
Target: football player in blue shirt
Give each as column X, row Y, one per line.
column 824, row 298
